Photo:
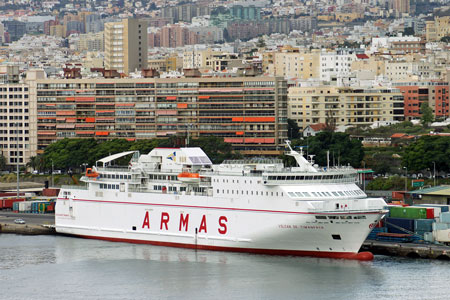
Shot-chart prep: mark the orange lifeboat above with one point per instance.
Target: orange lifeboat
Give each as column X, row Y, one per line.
column 91, row 173
column 189, row 177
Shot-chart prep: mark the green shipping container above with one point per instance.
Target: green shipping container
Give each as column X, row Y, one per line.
column 408, row 212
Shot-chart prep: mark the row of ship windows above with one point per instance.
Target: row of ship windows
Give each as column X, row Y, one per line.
column 315, row 177
column 115, row 176
column 109, row 186
column 341, row 217
column 226, row 181
column 249, row 193
column 326, row 194
column 164, row 189
column 162, row 177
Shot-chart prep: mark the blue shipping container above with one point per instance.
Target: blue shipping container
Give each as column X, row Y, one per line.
column 423, row 225
column 443, row 207
column 395, row 225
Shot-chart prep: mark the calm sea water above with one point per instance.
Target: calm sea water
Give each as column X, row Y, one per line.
column 54, row 267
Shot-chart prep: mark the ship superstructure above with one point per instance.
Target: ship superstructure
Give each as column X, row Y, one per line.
column 177, row 197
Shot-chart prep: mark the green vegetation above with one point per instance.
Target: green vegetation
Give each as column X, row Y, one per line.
column 343, row 150
column 73, row 153
column 386, row 131
column 427, row 114
column 421, row 154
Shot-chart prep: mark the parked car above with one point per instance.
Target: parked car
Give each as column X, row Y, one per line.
column 57, row 172
column 19, row 221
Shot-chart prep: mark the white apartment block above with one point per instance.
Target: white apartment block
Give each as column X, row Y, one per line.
column 334, row 65
column 346, row 106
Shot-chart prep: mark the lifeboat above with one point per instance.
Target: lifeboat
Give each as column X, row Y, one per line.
column 92, row 173
column 189, row 177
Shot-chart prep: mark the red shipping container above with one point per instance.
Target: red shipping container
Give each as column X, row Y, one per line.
column 430, row 213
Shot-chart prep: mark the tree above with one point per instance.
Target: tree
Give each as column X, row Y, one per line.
column 408, row 31
column 293, row 129
column 445, row 39
column 261, row 43
column 421, row 154
column 2, row 162
column 330, row 121
column 427, row 114
column 343, row 150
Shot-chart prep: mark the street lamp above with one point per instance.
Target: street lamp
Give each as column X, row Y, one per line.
column 406, row 179
column 434, row 173
column 17, row 158
column 52, row 173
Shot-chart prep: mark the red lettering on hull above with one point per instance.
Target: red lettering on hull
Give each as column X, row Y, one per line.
column 223, row 225
column 164, row 220
column 184, row 222
column 146, row 221
column 203, row 225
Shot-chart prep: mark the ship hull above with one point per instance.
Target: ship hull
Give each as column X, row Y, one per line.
column 201, row 222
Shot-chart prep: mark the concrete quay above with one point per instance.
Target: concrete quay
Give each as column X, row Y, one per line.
column 410, row 250
column 36, row 224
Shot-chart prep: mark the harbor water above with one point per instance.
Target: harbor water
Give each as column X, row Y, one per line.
column 56, row 267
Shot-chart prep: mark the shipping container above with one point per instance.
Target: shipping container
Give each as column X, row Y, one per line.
column 440, row 226
column 408, row 212
column 399, row 225
column 16, row 206
column 442, row 236
column 437, row 209
column 25, row 206
column 428, row 237
column 423, row 225
column 445, row 217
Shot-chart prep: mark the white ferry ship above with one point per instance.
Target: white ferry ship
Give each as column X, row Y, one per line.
column 177, row 197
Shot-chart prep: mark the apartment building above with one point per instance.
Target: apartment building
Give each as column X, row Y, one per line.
column 435, row 93
column 344, row 106
column 294, row 63
column 248, row 112
column 437, row 29
column 126, row 45
column 17, row 123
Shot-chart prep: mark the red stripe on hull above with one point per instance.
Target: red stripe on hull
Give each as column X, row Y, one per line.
column 362, row 256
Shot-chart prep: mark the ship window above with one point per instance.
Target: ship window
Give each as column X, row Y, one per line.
column 281, row 194
column 252, row 192
column 218, row 191
column 359, row 217
column 337, row 205
column 117, row 186
column 341, row 193
column 242, row 192
column 346, row 217
column 232, row 191
column 336, row 194
column 328, row 194
column 228, row 191
column 333, row 217
column 129, row 177
column 223, row 191
column 336, row 236
column 109, row 186
column 121, row 176
column 321, row 217
column 314, row 194
column 291, row 194
column 182, row 189
column 306, row 194
column 299, row 194
column 247, row 192
column 267, row 193
column 277, row 194
column 256, row 193
column 271, row 193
